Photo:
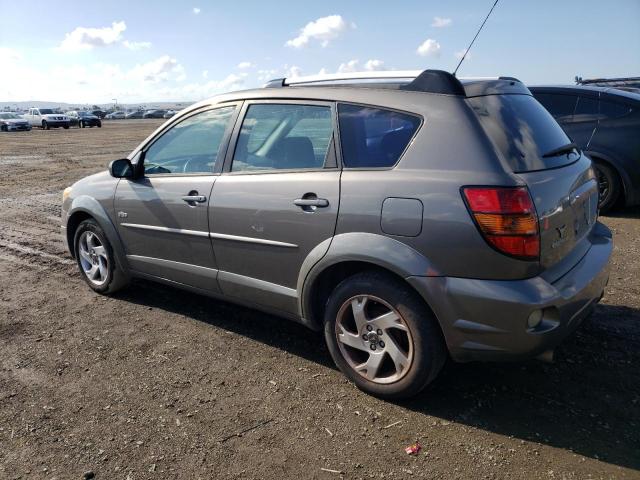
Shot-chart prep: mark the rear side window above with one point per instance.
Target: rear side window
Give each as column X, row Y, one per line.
column 374, row 137
column 586, row 110
column 560, row 106
column 283, row 137
column 522, row 131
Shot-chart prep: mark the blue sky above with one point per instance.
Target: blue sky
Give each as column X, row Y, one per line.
column 141, row 51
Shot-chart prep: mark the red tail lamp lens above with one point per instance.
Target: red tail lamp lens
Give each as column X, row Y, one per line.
column 507, row 219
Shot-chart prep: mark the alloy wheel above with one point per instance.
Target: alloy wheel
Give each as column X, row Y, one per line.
column 93, row 258
column 374, row 339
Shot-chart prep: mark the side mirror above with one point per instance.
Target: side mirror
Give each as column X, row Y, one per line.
column 121, row 168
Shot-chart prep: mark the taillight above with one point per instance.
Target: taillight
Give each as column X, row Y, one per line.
column 507, row 219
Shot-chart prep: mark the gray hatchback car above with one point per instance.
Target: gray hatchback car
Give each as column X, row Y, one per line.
column 408, row 216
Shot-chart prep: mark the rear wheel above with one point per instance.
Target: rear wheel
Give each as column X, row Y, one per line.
column 45, row 125
column 382, row 336
column 609, row 185
column 96, row 260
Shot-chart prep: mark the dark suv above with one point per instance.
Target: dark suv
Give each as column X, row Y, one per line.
column 407, row 217
column 605, row 123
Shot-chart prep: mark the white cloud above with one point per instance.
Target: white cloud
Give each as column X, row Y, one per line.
column 205, row 73
column 439, row 22
column 323, row 29
column 136, row 45
column 158, row 70
column 265, row 75
column 293, row 72
column 350, row 66
column 374, row 64
column 354, row 66
column 83, row 38
column 196, row 11
column 243, row 65
column 459, row 54
column 9, row 55
column 429, row 47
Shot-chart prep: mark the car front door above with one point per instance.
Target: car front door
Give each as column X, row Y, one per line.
column 276, row 201
column 162, row 214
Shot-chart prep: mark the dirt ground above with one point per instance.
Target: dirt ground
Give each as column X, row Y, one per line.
column 159, row 383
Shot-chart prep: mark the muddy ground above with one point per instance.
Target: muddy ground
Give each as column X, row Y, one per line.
column 159, row 383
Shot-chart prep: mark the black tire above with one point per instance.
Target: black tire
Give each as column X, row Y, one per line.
column 66, row 127
column 99, row 124
column 609, row 185
column 428, row 347
column 45, row 125
column 82, row 124
column 115, row 278
column 4, row 128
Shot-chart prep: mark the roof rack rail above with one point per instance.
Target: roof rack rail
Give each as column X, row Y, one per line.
column 430, row 81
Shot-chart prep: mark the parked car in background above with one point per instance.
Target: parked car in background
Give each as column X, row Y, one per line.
column 99, row 113
column 479, row 242
column 604, row 122
column 46, row 118
column 83, row 119
column 10, row 122
column 137, row 114
column 154, row 114
column 169, row 114
column 116, row 115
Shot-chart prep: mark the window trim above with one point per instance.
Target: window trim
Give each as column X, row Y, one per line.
column 224, row 142
column 378, row 107
column 233, row 142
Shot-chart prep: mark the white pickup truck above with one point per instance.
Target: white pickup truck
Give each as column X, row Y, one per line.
column 46, row 118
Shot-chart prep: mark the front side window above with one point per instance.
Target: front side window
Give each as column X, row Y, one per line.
column 374, row 137
column 283, row 137
column 190, row 146
column 609, row 110
column 558, row 105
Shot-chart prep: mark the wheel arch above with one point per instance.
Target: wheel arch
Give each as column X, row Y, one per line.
column 352, row 253
column 84, row 208
column 625, row 181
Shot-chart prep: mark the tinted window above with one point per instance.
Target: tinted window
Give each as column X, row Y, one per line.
column 522, row 131
column 586, row 109
column 613, row 110
column 373, row 137
column 190, row 146
column 279, row 136
column 558, row 105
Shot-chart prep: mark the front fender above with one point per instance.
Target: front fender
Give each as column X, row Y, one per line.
column 377, row 250
column 92, row 207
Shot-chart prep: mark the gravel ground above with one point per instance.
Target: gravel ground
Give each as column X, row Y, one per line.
column 159, row 383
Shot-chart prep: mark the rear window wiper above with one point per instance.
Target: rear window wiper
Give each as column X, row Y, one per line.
column 568, row 148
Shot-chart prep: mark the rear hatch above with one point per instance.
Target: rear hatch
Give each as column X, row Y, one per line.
column 560, row 179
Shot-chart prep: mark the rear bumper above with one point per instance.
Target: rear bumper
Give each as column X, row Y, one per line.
column 487, row 319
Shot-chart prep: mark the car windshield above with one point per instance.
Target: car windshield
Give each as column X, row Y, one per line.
column 7, row 116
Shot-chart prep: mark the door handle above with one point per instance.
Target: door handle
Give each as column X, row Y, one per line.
column 194, row 198
column 311, row 202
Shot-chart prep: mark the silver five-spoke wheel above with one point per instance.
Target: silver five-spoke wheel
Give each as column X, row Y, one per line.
column 374, row 339
column 93, row 258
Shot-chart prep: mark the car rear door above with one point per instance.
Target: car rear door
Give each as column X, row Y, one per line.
column 277, row 200
column 162, row 215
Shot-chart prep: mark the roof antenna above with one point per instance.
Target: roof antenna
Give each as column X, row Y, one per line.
column 474, row 38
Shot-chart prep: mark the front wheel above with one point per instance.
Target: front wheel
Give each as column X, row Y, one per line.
column 45, row 125
column 382, row 336
column 96, row 260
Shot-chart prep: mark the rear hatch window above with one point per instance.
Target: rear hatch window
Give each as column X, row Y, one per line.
column 523, row 131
